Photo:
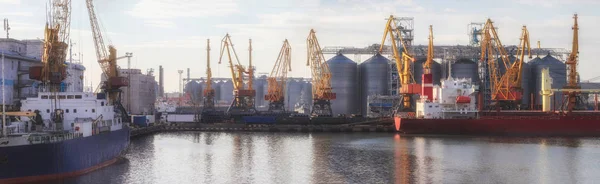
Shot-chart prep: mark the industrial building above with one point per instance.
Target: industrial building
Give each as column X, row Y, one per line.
column 19, row 56
column 139, row 97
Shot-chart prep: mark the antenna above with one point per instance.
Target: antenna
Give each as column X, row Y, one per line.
column 6, row 27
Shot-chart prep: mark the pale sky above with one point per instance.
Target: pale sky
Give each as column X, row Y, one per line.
column 173, row 33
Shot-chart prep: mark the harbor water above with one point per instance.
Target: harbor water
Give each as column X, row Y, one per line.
column 246, row 157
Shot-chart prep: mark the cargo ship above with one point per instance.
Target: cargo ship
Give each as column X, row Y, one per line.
column 46, row 141
column 453, row 111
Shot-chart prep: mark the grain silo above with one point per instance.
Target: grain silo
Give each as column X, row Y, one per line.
column 293, row 93
column 374, row 79
column 226, row 92
column 526, row 83
column 436, row 71
column 344, row 83
column 558, row 73
column 465, row 68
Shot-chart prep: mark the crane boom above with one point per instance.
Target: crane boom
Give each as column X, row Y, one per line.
column 243, row 102
column 429, row 61
column 209, row 92
column 56, row 34
column 278, row 77
column 106, row 59
column 321, row 77
column 505, row 88
column 572, row 84
column 403, row 61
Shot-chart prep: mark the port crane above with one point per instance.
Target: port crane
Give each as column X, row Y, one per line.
column 209, row 92
column 572, row 88
column 53, row 69
column 506, row 91
column 278, row 78
column 107, row 58
column 403, row 61
column 243, row 97
column 427, row 79
column 321, row 77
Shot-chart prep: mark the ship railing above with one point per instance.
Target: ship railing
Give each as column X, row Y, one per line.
column 51, row 138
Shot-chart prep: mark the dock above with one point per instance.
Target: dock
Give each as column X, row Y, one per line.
column 232, row 127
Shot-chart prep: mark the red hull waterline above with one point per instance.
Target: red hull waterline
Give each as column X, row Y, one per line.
column 51, row 177
column 504, row 125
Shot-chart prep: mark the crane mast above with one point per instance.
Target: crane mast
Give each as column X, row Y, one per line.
column 278, row 78
column 243, row 102
column 56, row 34
column 506, row 91
column 403, row 61
column 572, row 96
column 106, row 59
column 209, row 92
column 427, row 77
column 321, row 77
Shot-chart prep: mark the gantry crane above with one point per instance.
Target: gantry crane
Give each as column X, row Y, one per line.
column 108, row 62
column 321, row 78
column 243, row 97
column 56, row 34
column 572, row 96
column 506, row 91
column 209, row 92
column 403, row 61
column 53, row 70
column 427, row 78
column 278, row 78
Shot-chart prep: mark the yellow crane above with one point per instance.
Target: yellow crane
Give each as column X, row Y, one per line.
column 321, row 77
column 209, row 92
column 506, row 91
column 403, row 61
column 427, row 78
column 108, row 62
column 278, row 78
column 243, row 102
column 56, row 34
column 572, row 84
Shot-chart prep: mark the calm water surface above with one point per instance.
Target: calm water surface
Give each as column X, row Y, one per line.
column 207, row 157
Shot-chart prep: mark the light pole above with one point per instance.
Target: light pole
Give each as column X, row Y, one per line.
column 128, row 55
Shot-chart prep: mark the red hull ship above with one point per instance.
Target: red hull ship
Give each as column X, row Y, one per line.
column 453, row 111
column 511, row 123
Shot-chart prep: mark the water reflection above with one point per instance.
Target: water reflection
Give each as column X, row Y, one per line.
column 214, row 157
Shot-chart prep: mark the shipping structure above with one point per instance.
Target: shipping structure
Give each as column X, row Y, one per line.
column 453, row 108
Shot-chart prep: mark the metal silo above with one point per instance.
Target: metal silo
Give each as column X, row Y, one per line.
column 217, row 87
column 436, row 71
column 259, row 86
column 526, row 84
column 226, row 92
column 374, row 79
column 558, row 73
column 465, row 68
column 292, row 93
column 344, row 84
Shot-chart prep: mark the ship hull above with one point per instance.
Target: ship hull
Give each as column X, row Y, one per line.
column 50, row 161
column 541, row 125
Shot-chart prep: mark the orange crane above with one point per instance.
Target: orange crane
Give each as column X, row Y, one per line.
column 56, row 34
column 427, row 79
column 243, row 102
column 321, row 77
column 572, row 84
column 278, row 78
column 403, row 61
column 108, row 62
column 506, row 91
column 209, row 92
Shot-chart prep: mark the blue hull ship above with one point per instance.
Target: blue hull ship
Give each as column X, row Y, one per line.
column 83, row 135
